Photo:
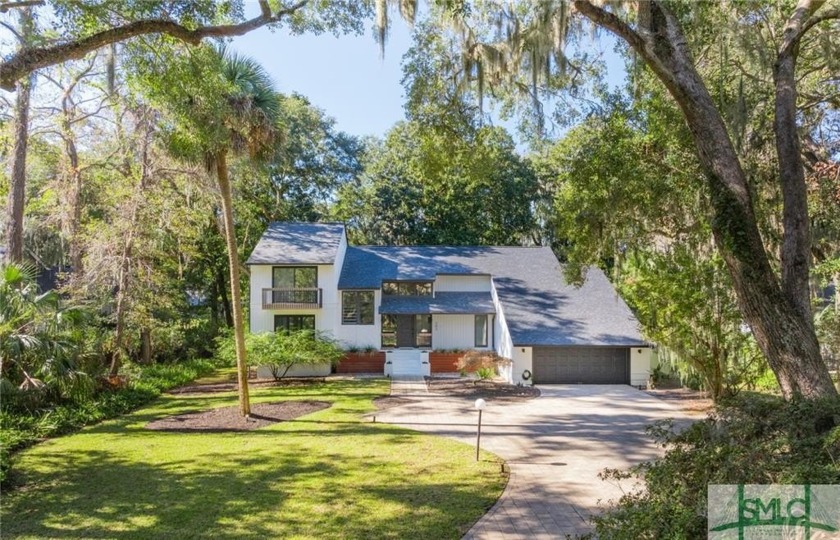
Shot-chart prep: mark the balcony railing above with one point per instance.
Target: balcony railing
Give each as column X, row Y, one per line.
column 304, row 298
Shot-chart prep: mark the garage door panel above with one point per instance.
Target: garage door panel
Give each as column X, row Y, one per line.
column 586, row 365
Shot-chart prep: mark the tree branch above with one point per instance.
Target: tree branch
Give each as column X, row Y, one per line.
column 6, row 6
column 795, row 37
column 27, row 60
column 611, row 22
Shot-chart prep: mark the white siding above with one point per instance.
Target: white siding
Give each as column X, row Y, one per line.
column 456, row 331
column 522, row 360
column 262, row 320
column 357, row 335
column 462, row 284
column 640, row 365
column 503, row 341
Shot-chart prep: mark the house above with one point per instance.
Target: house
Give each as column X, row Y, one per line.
column 410, row 303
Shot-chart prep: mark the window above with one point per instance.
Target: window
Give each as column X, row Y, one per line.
column 294, row 277
column 481, row 330
column 389, row 331
column 293, row 323
column 357, row 307
column 407, row 288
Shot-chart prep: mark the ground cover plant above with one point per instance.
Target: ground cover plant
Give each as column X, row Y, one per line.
column 330, row 474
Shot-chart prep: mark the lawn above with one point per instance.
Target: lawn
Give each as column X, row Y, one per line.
column 330, row 474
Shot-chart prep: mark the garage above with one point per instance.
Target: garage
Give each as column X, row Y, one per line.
column 581, row 365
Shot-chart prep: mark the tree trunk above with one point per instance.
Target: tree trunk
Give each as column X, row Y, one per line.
column 226, row 308
column 17, row 193
column 145, row 346
column 122, row 295
column 235, row 294
column 73, row 187
column 784, row 333
column 124, row 273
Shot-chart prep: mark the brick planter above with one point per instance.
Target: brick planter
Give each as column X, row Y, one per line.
column 362, row 362
column 444, row 362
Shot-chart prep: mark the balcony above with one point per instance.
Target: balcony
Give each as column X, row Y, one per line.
column 309, row 298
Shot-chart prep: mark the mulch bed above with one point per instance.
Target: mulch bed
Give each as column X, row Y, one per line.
column 215, row 388
column 229, row 419
column 477, row 388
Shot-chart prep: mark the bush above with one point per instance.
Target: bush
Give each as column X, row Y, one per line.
column 282, row 350
column 486, row 373
column 477, row 360
column 752, row 439
column 19, row 429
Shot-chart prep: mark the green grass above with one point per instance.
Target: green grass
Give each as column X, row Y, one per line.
column 331, row 474
column 21, row 428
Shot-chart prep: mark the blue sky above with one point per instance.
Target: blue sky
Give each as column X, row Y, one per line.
column 348, row 78
column 345, row 76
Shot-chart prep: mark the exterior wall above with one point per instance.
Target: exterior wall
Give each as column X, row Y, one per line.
column 356, row 335
column 503, row 343
column 456, row 332
column 522, row 360
column 262, row 320
column 462, row 284
column 640, row 365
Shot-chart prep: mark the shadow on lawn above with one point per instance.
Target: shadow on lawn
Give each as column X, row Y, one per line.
column 95, row 494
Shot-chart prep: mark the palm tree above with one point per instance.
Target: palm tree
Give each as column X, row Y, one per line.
column 247, row 127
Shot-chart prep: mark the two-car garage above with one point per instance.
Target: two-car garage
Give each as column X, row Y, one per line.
column 581, row 365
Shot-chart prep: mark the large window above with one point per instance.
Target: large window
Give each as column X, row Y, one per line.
column 407, row 288
column 389, row 331
column 481, row 330
column 406, row 331
column 294, row 277
column 293, row 323
column 357, row 307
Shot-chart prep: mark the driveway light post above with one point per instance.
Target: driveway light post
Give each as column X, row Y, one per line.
column 479, row 404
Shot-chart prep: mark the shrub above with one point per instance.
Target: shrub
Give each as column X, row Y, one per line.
column 476, row 360
column 486, row 373
column 282, row 350
column 751, row 439
column 19, row 429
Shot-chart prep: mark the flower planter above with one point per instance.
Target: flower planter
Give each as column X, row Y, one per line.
column 444, row 362
column 362, row 362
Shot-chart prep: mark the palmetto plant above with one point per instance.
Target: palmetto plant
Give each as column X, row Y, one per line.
column 38, row 355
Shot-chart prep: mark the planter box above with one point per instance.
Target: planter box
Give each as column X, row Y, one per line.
column 362, row 362
column 444, row 362
column 313, row 370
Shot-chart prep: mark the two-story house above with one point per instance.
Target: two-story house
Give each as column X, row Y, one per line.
column 410, row 300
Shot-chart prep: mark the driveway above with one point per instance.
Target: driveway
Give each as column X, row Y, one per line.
column 555, row 446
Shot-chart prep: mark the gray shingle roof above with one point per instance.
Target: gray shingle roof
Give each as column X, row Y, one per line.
column 540, row 307
column 455, row 303
column 298, row 243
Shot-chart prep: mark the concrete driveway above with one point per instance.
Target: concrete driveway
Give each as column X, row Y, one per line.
column 555, row 446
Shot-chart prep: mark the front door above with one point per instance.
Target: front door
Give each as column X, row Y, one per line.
column 405, row 331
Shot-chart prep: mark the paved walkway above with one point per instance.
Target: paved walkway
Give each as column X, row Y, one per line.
column 409, row 386
column 555, row 446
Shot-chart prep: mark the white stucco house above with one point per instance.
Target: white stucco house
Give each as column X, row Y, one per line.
column 413, row 301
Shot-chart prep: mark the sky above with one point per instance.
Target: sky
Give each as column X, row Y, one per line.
column 345, row 76
column 348, row 78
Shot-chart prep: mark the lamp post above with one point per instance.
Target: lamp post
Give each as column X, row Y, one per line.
column 479, row 404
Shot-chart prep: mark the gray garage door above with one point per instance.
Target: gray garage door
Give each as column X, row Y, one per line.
column 587, row 365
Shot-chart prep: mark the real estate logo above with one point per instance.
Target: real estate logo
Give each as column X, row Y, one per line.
column 753, row 511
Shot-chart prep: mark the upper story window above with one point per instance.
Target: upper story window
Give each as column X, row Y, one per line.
column 407, row 288
column 294, row 277
column 357, row 307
